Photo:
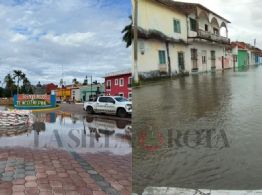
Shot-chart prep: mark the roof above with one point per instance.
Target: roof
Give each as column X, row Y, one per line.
column 156, row 34
column 245, row 46
column 187, row 8
column 118, row 73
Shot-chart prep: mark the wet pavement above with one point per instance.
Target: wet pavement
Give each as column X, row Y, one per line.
column 199, row 132
column 64, row 153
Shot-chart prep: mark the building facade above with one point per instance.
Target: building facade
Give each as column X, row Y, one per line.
column 119, row 83
column 76, row 94
column 63, row 93
column 177, row 37
column 246, row 54
column 88, row 92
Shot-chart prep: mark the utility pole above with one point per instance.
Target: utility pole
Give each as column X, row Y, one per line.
column 136, row 78
column 91, row 86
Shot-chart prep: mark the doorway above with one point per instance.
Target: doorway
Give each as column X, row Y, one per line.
column 213, row 59
column 181, row 62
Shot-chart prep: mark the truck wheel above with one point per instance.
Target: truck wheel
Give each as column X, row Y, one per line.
column 89, row 110
column 121, row 112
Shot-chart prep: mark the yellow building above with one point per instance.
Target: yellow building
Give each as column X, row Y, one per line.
column 177, row 37
column 63, row 93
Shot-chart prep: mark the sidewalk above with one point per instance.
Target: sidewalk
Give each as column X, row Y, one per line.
column 44, row 172
column 182, row 191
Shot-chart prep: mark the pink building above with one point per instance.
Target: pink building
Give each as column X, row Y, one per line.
column 119, row 83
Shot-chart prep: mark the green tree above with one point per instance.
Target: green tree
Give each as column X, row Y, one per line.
column 26, row 87
column 19, row 75
column 9, row 85
column 75, row 82
column 128, row 34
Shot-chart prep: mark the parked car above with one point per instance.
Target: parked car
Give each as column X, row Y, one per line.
column 115, row 105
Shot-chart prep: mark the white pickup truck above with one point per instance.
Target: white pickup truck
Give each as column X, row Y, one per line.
column 116, row 105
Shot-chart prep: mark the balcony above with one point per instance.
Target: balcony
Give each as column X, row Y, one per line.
column 212, row 37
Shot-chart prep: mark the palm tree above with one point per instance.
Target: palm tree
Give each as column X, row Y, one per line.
column 26, row 85
column 75, row 82
column 128, row 34
column 20, row 76
column 10, row 84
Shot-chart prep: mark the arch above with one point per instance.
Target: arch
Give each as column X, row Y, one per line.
column 223, row 30
column 215, row 26
column 203, row 19
column 223, row 24
column 214, row 22
column 203, row 14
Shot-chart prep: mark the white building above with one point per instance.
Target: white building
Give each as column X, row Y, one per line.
column 76, row 94
column 177, row 37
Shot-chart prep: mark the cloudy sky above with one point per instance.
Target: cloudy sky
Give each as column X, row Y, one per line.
column 245, row 17
column 80, row 37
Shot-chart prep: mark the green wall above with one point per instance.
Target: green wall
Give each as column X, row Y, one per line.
column 242, row 58
column 86, row 91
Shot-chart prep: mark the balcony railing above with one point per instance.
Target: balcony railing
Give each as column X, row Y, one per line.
column 212, row 37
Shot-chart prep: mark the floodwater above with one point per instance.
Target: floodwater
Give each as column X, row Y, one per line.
column 65, row 131
column 199, row 132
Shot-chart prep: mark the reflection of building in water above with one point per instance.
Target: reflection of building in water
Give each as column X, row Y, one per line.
column 9, row 131
column 51, row 117
column 45, row 117
column 119, row 128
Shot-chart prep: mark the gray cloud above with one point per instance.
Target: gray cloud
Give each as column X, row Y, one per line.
column 83, row 36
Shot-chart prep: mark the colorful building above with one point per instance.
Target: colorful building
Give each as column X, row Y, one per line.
column 88, row 92
column 50, row 87
column 192, row 38
column 246, row 54
column 76, row 94
column 119, row 83
column 63, row 93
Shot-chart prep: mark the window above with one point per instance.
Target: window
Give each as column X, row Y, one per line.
column 103, row 99
column 116, row 81
column 130, row 95
column 204, row 60
column 110, row 100
column 177, row 28
column 162, row 57
column 130, row 82
column 213, row 55
column 121, row 99
column 121, row 94
column 121, row 82
column 206, row 27
column 194, row 54
column 108, row 84
column 193, row 24
column 106, row 100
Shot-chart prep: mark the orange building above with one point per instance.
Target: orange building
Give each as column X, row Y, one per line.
column 63, row 93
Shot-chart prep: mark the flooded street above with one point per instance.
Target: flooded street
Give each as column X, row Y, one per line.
column 199, row 132
column 72, row 132
column 65, row 152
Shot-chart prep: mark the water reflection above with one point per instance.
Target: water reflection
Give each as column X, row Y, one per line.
column 71, row 132
column 200, row 132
